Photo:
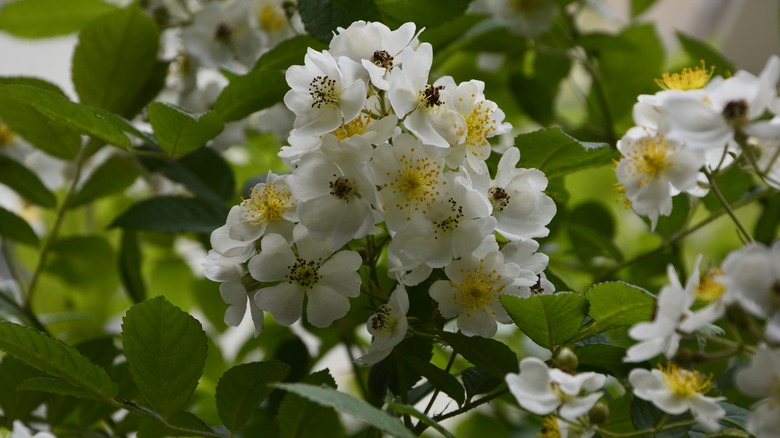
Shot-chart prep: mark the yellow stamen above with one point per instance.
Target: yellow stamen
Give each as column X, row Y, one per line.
column 648, row 157
column 270, row 17
column 6, row 134
column 685, row 383
column 268, row 203
column 356, row 127
column 480, row 126
column 479, row 289
column 709, row 288
column 550, row 428
column 689, row 79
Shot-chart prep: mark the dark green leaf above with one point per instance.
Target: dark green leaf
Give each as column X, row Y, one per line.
column 18, row 405
column 427, row 13
column 185, row 420
column 299, row 417
column 668, row 226
column 489, row 355
column 557, row 154
column 767, row 224
column 115, row 58
column 15, row 228
column 701, row 51
column 588, row 243
column 179, row 131
column 478, row 382
column 322, row 17
column 56, row 358
column 242, row 388
column 549, row 320
column 537, row 92
column 114, row 175
column 166, row 349
column 84, row 261
column 733, row 184
column 54, row 386
column 348, row 404
column 25, row 183
column 88, row 120
column 603, row 358
column 256, row 90
column 37, row 19
column 439, row 378
column 644, row 415
column 410, row 410
column 130, row 262
column 172, row 214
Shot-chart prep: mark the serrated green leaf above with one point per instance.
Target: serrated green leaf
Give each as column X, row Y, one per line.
column 615, row 304
column 114, row 175
column 54, row 386
column 18, row 405
column 172, row 214
column 56, row 358
column 488, row 355
column 130, row 262
column 322, row 17
column 26, row 183
column 733, row 184
column 181, row 420
column 701, row 51
column 549, row 320
column 36, row 18
column 425, row 14
column 242, row 388
column 439, row 378
column 179, row 131
column 15, row 228
column 300, row 417
column 166, row 349
column 256, row 90
column 348, row 404
column 557, row 154
column 85, row 119
column 114, row 60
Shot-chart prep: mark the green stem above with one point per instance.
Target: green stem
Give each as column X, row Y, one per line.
column 727, row 206
column 469, row 406
column 648, row 431
column 437, row 391
column 132, row 407
column 23, row 311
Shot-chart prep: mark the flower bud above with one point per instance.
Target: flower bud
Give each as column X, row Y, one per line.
column 566, row 360
column 598, row 414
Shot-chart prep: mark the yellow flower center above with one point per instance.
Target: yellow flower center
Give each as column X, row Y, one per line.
column 479, row 289
column 709, row 288
column 357, row 126
column 685, row 383
column 6, row 135
column 271, row 17
column 480, row 126
column 688, row 79
column 417, row 179
column 304, row 273
column 268, row 203
column 550, row 428
column 648, row 156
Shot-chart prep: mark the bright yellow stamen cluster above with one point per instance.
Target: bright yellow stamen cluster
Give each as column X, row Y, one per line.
column 356, row 127
column 417, row 180
column 268, row 203
column 270, row 17
column 479, row 289
column 709, row 288
column 6, row 135
column 688, row 79
column 648, row 157
column 550, row 428
column 480, row 126
column 685, row 383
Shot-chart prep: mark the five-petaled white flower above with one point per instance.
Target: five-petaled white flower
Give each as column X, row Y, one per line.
column 388, row 326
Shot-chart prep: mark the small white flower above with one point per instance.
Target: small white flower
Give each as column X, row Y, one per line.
column 220, row 268
column 324, row 93
column 221, row 33
column 327, row 280
column 236, row 296
column 20, row 431
column 761, row 379
column 542, row 390
column 675, row 390
column 388, row 327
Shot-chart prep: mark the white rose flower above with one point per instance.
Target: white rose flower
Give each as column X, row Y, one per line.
column 222, row 33
column 761, row 379
column 236, row 296
column 388, row 327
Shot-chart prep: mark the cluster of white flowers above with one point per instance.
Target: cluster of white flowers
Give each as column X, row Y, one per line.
column 379, row 149
column 698, row 125
column 749, row 278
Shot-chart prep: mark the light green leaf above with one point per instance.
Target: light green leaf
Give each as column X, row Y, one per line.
column 56, row 358
column 130, row 262
column 615, row 304
column 179, row 131
column 15, row 228
column 427, row 13
column 439, row 378
column 38, row 19
column 701, row 51
column 85, row 119
column 348, row 404
column 242, row 388
column 166, row 349
column 557, row 154
column 54, row 386
column 26, row 183
column 114, row 175
column 172, row 214
column 300, row 417
column 733, row 184
column 256, row 90
column 549, row 320
column 114, row 60
column 489, row 355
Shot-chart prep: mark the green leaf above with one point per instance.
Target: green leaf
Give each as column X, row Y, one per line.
column 179, row 131
column 603, row 358
column 84, row 261
column 256, row 90
column 130, row 262
column 289, row 52
column 87, row 120
column 410, row 410
column 644, row 415
column 427, row 13
column 15, row 228
column 172, row 214
column 166, row 349
column 18, row 405
column 536, row 93
column 322, row 17
column 478, row 382
column 37, row 19
column 26, row 183
column 767, row 224
column 117, row 173
column 56, row 358
column 557, row 154
column 733, row 184
column 114, row 59
column 701, row 51
column 439, row 378
column 614, row 304
column 668, row 226
column 489, row 355
column 181, row 420
column 54, row 386
column 242, row 388
column 299, row 417
column 348, row 404
column 640, row 6
column 549, row 320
